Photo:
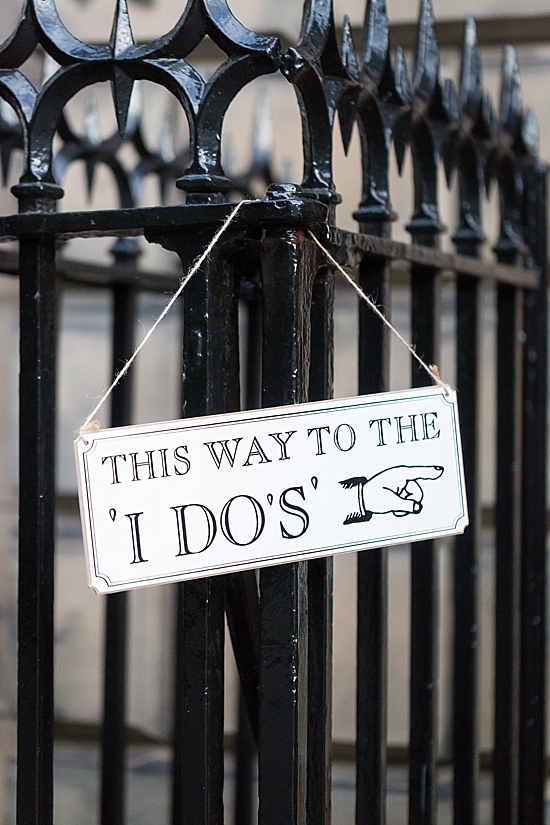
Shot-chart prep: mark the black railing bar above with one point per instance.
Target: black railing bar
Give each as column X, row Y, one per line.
column 402, row 255
column 140, row 220
column 354, row 246
column 74, row 271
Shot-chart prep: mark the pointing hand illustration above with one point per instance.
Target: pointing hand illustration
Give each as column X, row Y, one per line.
column 395, row 490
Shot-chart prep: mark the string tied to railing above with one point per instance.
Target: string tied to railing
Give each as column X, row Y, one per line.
column 91, row 422
column 431, row 369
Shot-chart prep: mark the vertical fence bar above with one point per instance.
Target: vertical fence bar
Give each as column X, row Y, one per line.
column 465, row 731
column 532, row 721
column 507, row 554
column 198, row 741
column 245, row 753
column 37, row 389
column 254, row 354
column 287, row 266
column 113, row 732
column 210, row 384
column 320, row 582
column 466, row 549
column 319, row 731
column 424, row 586
column 467, row 240
column 243, row 619
column 372, row 575
column 242, row 600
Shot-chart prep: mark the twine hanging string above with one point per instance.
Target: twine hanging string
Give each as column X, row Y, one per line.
column 431, row 369
column 90, row 423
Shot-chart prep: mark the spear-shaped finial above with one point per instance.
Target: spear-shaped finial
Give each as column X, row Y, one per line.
column 510, row 93
column 316, row 20
column 348, row 101
column 470, row 76
column 427, row 54
column 401, row 133
column 377, row 39
column 122, row 39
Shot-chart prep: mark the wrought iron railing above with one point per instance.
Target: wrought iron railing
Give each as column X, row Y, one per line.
column 282, row 629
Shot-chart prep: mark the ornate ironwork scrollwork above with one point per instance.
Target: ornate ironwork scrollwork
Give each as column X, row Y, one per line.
column 426, row 115
column 163, row 61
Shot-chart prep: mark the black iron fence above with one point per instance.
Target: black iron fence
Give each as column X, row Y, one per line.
column 281, row 622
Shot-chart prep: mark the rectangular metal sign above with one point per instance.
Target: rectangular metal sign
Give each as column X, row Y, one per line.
column 198, row 497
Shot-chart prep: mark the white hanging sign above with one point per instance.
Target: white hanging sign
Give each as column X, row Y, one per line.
column 198, row 497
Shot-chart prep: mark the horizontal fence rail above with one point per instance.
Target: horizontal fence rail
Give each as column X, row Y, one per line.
column 269, row 268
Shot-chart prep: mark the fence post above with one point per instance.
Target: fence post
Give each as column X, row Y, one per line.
column 37, row 424
column 533, row 593
column 288, row 271
column 210, row 385
column 113, row 731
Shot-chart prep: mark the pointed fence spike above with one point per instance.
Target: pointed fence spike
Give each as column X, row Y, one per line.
column 510, row 95
column 349, row 56
column 90, row 166
column 470, row 76
column 316, row 21
column 346, row 118
column 121, row 40
column 122, row 94
column 450, row 100
column 427, row 54
column 135, row 111
column 122, row 37
column 377, row 39
column 401, row 76
column 449, row 155
column 401, row 139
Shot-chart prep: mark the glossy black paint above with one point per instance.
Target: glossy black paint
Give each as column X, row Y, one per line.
column 320, row 581
column 281, row 631
column 35, row 698
column 380, row 102
column 424, row 676
column 533, row 592
column 372, row 575
column 467, row 144
column 427, row 131
column 288, row 260
column 113, row 734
